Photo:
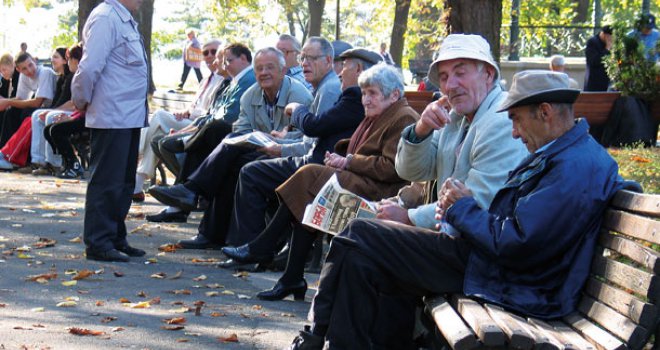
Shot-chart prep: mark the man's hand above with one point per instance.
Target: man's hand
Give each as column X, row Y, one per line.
column 288, row 110
column 4, row 104
column 280, row 134
column 435, row 116
column 179, row 116
column 336, row 161
column 390, row 210
column 273, row 151
column 451, row 191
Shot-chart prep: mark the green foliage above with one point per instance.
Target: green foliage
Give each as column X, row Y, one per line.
column 425, row 28
column 67, row 33
column 30, row 4
column 628, row 67
column 639, row 164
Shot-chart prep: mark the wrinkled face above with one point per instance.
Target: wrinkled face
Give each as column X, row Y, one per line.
column 58, row 62
column 315, row 64
column 529, row 127
column 290, row 54
column 28, row 68
column 7, row 70
column 375, row 102
column 464, row 84
column 131, row 5
column 268, row 72
column 209, row 52
column 349, row 74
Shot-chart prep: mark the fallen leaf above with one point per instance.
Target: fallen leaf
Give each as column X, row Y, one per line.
column 212, row 294
column 243, row 296
column 3, row 305
column 70, row 272
column 117, row 329
column 172, row 328
column 37, row 309
column 232, row 338
column 168, row 248
column 159, row 275
column 182, row 340
column 68, row 303
column 200, row 278
column 69, row 283
column 44, row 243
column 180, row 291
column 25, row 256
column 124, row 300
column 214, row 286
column 108, row 319
column 72, row 299
column 228, row 292
column 257, row 307
column 640, row 159
column 218, row 314
column 151, row 261
column 200, row 260
column 175, row 320
column 84, row 331
column 41, row 278
column 241, row 274
column 76, row 240
column 140, row 305
column 99, row 271
column 82, row 275
column 99, row 303
column 118, row 274
column 177, row 275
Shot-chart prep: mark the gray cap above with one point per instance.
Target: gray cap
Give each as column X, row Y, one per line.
column 537, row 86
column 340, row 46
column 468, row 46
column 369, row 56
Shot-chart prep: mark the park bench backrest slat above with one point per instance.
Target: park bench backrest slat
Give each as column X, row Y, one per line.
column 625, row 303
column 615, row 323
column 594, row 106
column 624, row 275
column 646, row 229
column 640, row 203
column 648, row 258
column 418, row 100
column 488, row 332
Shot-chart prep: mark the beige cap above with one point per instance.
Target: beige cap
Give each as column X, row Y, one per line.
column 468, row 46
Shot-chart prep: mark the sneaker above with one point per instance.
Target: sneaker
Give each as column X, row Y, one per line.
column 5, row 165
column 73, row 172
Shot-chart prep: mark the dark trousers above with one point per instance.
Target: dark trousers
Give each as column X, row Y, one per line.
column 372, row 258
column 201, row 144
column 255, row 192
column 215, row 179
column 113, row 165
column 58, row 135
column 11, row 121
column 166, row 148
column 186, row 70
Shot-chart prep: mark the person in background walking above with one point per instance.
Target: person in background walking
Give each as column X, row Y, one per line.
column 192, row 58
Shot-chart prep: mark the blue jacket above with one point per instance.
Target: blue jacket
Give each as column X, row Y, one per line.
column 532, row 249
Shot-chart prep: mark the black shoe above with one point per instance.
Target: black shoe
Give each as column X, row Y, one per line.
column 232, row 264
column 132, row 252
column 108, row 255
column 281, row 291
column 242, row 255
column 164, row 216
column 175, row 196
column 197, row 242
column 306, row 340
column 73, row 171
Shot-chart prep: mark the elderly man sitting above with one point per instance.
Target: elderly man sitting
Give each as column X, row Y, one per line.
column 529, row 251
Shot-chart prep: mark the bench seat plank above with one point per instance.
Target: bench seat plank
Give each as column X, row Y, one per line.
column 641, row 203
column 570, row 338
column 613, row 322
column 549, row 333
column 621, row 274
column 486, row 329
column 632, row 225
column 519, row 337
column 626, row 304
column 594, row 334
column 458, row 335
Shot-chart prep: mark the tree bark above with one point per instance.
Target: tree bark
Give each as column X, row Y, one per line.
column 315, row 17
column 399, row 30
column 84, row 9
column 483, row 17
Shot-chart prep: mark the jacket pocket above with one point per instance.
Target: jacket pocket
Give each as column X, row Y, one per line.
column 133, row 52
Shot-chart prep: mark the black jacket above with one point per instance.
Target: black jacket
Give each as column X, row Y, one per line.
column 595, row 78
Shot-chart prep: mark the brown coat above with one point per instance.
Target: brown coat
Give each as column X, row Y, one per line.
column 371, row 172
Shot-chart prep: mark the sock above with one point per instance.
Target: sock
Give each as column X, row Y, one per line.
column 139, row 182
column 170, row 210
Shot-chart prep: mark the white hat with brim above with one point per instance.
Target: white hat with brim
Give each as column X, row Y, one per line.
column 538, row 86
column 468, row 46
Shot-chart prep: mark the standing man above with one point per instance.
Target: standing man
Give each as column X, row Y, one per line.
column 595, row 78
column 111, row 85
column 192, row 58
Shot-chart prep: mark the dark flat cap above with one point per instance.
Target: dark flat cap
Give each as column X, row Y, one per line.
column 340, row 46
column 372, row 57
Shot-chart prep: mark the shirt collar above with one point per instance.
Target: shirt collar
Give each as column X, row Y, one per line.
column 240, row 75
column 122, row 11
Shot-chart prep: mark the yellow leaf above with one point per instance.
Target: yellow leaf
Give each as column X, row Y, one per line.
column 228, row 292
column 69, row 283
column 212, row 294
column 159, row 275
column 140, row 305
column 25, row 256
column 69, row 303
column 76, row 240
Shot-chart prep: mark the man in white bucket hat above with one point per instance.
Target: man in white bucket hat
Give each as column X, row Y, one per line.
column 529, row 251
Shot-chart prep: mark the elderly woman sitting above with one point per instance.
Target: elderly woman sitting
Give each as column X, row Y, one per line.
column 364, row 165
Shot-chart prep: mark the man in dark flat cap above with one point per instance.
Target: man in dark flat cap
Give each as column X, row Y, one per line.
column 528, row 252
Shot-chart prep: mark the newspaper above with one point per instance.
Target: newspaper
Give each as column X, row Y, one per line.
column 334, row 207
column 255, row 139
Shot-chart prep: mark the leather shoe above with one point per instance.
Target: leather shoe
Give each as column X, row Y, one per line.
column 280, row 291
column 108, row 255
column 164, row 216
column 131, row 251
column 138, row 197
column 232, row 264
column 197, row 242
column 176, row 196
column 242, row 254
column 306, row 340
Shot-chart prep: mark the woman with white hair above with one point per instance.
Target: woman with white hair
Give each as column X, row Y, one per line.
column 363, row 164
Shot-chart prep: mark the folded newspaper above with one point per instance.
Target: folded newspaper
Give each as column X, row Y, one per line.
column 255, row 139
column 334, row 207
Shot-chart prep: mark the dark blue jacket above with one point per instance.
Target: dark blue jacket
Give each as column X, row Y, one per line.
column 338, row 122
column 595, row 77
column 532, row 249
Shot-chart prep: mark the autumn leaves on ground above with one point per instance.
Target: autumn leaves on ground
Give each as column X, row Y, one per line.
column 52, row 298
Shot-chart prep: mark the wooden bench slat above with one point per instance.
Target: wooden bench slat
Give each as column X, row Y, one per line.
column 594, row 334
column 552, row 340
column 641, row 203
column 458, row 335
column 418, row 100
column 594, row 106
column 626, row 304
column 646, row 257
column 173, row 96
column 626, row 276
column 570, row 338
column 486, row 329
column 613, row 322
column 632, row 225
column 519, row 337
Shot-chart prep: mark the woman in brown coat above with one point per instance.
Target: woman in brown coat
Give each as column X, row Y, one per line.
column 364, row 165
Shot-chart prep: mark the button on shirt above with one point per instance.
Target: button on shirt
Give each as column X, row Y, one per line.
column 112, row 78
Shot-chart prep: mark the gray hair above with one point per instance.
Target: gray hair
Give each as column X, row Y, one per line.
column 557, row 61
column 387, row 78
column 213, row 42
column 293, row 40
column 278, row 53
column 326, row 46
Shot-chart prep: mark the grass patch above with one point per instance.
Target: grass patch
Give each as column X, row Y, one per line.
column 639, row 164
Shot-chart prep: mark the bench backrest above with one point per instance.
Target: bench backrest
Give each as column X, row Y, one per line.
column 170, row 101
column 418, row 100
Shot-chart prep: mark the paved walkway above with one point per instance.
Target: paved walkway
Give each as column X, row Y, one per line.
column 126, row 302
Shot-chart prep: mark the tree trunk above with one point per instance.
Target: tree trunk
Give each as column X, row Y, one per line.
column 399, row 30
column 315, row 17
column 483, row 17
column 144, row 18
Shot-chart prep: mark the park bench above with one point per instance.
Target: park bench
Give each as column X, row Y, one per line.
column 170, row 101
column 618, row 309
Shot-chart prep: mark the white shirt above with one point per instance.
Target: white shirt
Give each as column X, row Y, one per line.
column 42, row 85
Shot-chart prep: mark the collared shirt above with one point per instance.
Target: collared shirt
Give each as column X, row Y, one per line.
column 238, row 76
column 42, row 85
column 112, row 78
column 270, row 105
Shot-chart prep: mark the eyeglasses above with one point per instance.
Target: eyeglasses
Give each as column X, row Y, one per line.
column 309, row 58
column 212, row 52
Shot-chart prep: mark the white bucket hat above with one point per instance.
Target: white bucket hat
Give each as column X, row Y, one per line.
column 462, row 46
column 537, row 86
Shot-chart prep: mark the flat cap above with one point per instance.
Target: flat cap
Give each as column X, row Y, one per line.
column 369, row 56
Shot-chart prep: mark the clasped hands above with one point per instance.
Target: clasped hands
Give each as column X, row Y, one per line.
column 336, row 161
column 451, row 191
